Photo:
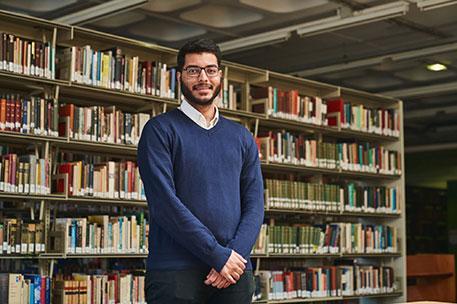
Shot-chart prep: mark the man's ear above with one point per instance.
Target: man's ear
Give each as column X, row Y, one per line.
column 178, row 77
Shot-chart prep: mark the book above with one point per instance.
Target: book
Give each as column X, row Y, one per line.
column 297, row 149
column 24, row 174
column 358, row 117
column 115, row 180
column 325, row 281
column 26, row 56
column 112, row 69
column 101, row 124
column 103, row 234
column 286, row 194
column 116, row 287
column 291, row 105
column 25, row 288
column 329, row 238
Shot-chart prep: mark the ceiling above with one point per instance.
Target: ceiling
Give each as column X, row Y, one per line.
column 378, row 46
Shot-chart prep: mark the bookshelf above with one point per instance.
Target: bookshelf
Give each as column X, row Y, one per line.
column 245, row 80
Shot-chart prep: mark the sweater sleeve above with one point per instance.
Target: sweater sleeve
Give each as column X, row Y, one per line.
column 165, row 208
column 252, row 212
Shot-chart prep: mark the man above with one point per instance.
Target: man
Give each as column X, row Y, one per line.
column 204, row 187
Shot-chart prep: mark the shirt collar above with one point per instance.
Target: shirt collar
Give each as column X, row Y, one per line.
column 198, row 117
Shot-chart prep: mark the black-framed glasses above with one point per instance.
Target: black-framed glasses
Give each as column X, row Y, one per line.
column 194, row 71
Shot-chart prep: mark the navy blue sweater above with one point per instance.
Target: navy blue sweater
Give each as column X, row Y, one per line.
column 204, row 190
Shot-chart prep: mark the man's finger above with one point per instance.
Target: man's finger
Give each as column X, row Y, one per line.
column 211, row 279
column 236, row 276
column 210, row 273
column 239, row 256
column 222, row 284
column 217, row 281
column 229, row 277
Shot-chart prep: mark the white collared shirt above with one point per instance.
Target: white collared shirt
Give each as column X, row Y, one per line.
column 198, row 117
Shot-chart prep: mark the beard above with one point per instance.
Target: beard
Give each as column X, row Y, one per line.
column 202, row 102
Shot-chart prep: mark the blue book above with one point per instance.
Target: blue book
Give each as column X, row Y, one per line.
column 35, row 288
column 173, row 82
column 48, row 291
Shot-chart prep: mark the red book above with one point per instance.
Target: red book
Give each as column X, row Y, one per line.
column 8, row 115
column 18, row 116
column 335, row 106
column 288, row 282
column 149, row 77
column 65, row 111
column 43, row 290
column 3, row 111
column 66, row 168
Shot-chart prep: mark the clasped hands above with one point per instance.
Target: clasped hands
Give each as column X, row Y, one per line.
column 230, row 273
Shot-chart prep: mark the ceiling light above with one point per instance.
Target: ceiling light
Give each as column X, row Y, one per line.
column 436, row 67
column 372, row 14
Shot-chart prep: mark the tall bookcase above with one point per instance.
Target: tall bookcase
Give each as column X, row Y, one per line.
column 241, row 79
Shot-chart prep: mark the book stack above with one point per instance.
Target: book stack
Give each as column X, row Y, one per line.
column 26, row 174
column 260, row 246
column 230, row 95
column 361, row 238
column 101, row 288
column 102, row 234
column 101, row 124
column 21, row 238
column 326, row 281
column 368, row 157
column 28, row 57
column 310, row 282
column 112, row 69
column 326, row 197
column 371, row 199
column 303, row 239
column 366, row 280
column 360, row 118
column 25, row 289
column 288, row 105
column 330, row 238
column 288, row 148
column 28, row 115
column 304, row 196
column 116, row 180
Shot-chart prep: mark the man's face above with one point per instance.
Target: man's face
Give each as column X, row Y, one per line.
column 200, row 88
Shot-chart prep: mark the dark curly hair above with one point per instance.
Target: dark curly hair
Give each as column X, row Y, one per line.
column 198, row 46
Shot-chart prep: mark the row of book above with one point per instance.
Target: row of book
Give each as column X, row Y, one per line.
column 229, row 96
column 18, row 288
column 285, row 147
column 114, row 70
column 326, row 281
column 288, row 105
column 327, row 197
column 117, row 180
column 116, row 287
column 21, row 237
column 24, row 174
column 101, row 124
column 102, row 234
column 333, row 112
column 360, row 118
column 28, row 115
column 333, row 238
column 28, row 57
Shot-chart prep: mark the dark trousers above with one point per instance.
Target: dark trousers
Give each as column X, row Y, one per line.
column 188, row 287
